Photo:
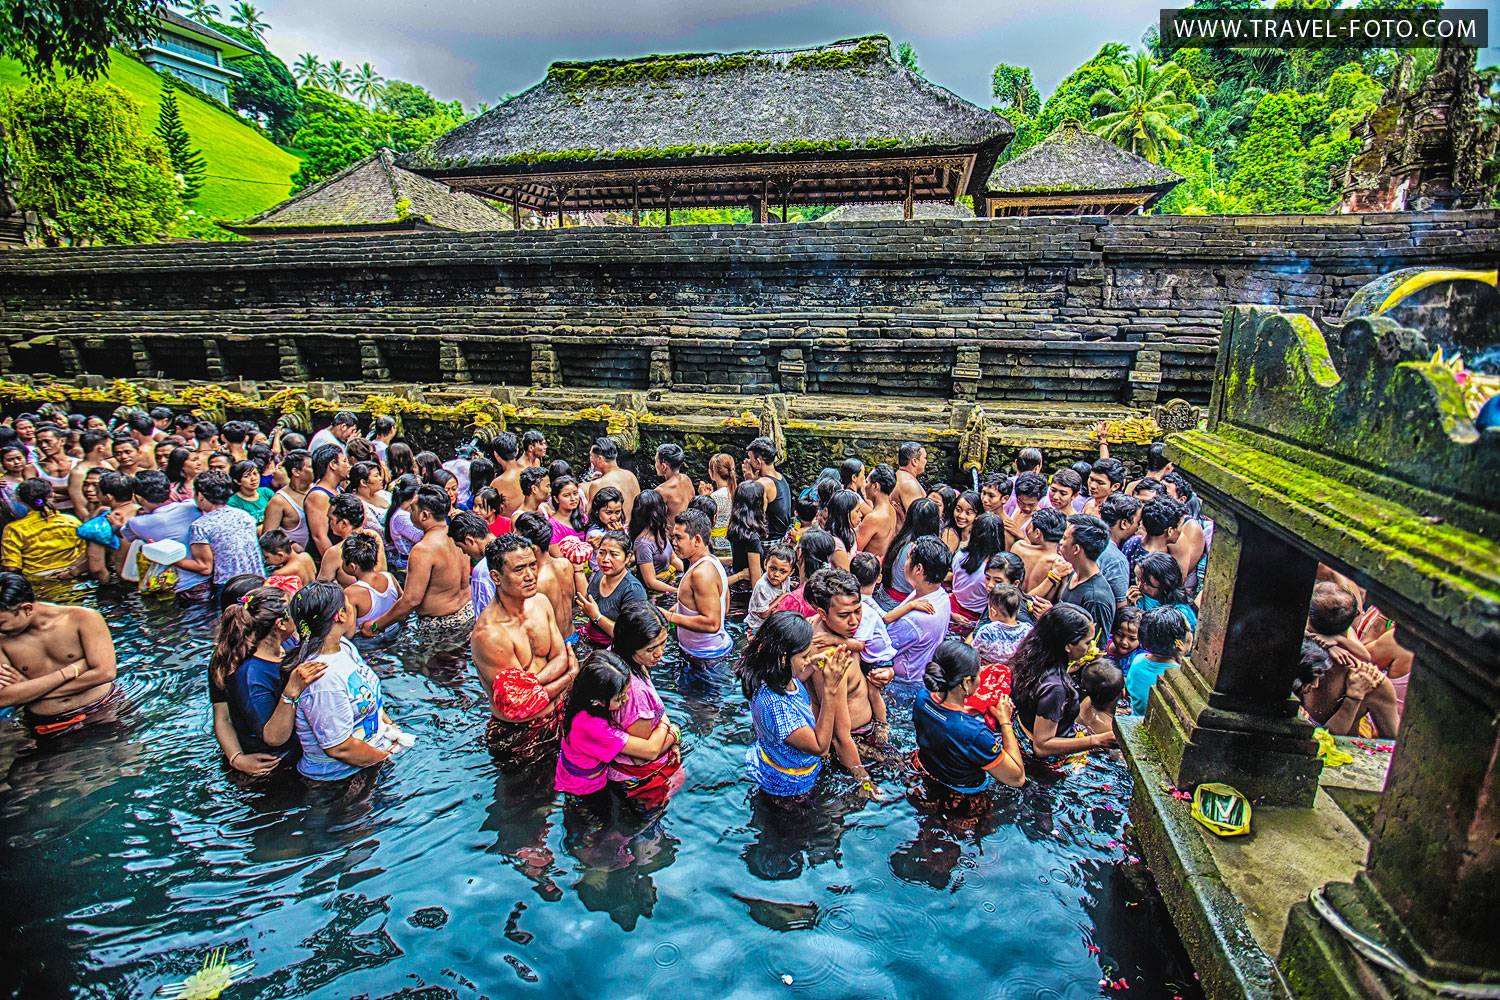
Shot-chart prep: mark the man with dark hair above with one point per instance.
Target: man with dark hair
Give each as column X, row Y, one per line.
column 471, row 533
column 834, row 594
column 1161, row 518
column 1350, row 686
column 1106, row 479
column 536, row 489
column 1123, row 516
column 852, row 474
column 703, row 594
column 604, row 458
column 1157, row 465
column 161, row 416
column 1028, row 460
column 1083, row 542
column 524, row 666
column 58, row 661
column 993, row 490
column 96, row 452
column 437, row 579
column 879, row 526
column 760, row 456
column 676, row 487
column 235, row 433
column 286, row 509
column 144, row 434
column 222, row 542
column 129, row 458
column 346, row 518
column 1045, row 566
column 556, row 578
column 345, row 425
column 506, row 451
column 1063, row 492
column 330, row 467
column 1029, row 489
column 159, row 520
column 912, row 461
column 920, row 623
column 533, row 449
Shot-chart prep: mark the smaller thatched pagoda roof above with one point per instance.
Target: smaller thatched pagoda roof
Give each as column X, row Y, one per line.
column 373, row 195
column 882, row 211
column 844, row 122
column 1075, row 172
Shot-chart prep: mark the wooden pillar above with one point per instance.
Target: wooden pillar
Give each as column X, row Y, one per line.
column 762, row 208
column 666, row 191
column 515, row 209
column 910, row 191
column 786, row 199
column 635, row 204
column 562, row 193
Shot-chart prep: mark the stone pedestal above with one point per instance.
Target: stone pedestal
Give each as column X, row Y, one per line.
column 1230, row 716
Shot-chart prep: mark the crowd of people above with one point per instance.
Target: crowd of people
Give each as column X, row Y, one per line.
column 1019, row 613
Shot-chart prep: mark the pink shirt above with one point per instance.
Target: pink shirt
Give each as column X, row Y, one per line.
column 641, row 702
column 587, row 748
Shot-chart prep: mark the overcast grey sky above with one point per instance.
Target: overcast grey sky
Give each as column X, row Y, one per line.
column 480, row 50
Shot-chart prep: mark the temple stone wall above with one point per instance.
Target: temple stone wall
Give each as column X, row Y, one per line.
column 1121, row 310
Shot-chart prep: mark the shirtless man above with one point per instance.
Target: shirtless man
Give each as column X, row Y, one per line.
column 508, row 482
column 56, row 660
column 523, row 663
column 533, row 449
column 557, row 579
column 437, row 578
column 128, row 458
column 346, row 516
column 676, row 486
column 1045, row 566
column 330, row 467
column 536, row 490
column 287, row 508
column 1030, row 487
column 879, row 526
column 912, row 458
column 834, row 593
column 703, row 593
column 145, row 435
column 96, row 454
column 604, row 457
column 1106, row 479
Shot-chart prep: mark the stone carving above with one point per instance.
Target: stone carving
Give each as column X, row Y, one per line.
column 1176, row 414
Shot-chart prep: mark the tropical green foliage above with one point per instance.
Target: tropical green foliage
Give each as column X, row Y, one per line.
column 81, row 160
column 186, row 159
column 201, row 11
column 246, row 16
column 309, row 70
column 47, row 35
column 408, row 100
column 367, row 83
column 907, row 57
column 336, row 132
column 1014, row 90
column 266, row 92
column 1141, row 101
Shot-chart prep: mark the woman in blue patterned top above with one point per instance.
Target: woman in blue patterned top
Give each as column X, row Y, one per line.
column 790, row 740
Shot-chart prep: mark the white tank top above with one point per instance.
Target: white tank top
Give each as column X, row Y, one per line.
column 298, row 533
column 380, row 601
column 706, row 645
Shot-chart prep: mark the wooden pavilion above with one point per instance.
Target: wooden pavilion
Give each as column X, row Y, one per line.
column 834, row 124
column 372, row 196
column 1075, row 172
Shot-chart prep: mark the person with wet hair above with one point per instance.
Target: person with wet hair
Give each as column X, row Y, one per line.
column 1045, row 565
column 969, row 598
column 604, row 459
column 702, row 608
column 1352, row 687
column 1045, row 698
column 761, row 457
column 286, row 510
column 536, row 489
column 330, row 467
column 880, row 523
column 57, row 662
column 1029, row 489
column 920, row 622
column 374, row 590
column 1165, row 640
column 345, row 426
column 1158, row 582
column 437, row 579
column 790, row 738
column 591, row 740
column 650, row 540
column 610, row 588
column 1161, row 521
column 911, row 466
column 1064, row 492
column 43, row 544
column 954, row 748
column 346, row 517
column 676, row 487
column 341, row 721
column 223, row 542
column 1106, row 478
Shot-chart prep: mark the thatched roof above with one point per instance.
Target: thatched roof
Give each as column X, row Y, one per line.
column 373, row 194
column 881, row 211
column 1075, row 159
column 848, row 101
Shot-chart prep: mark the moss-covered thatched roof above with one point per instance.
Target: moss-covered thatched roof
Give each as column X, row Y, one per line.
column 882, row 211
column 848, row 100
column 370, row 195
column 1075, row 159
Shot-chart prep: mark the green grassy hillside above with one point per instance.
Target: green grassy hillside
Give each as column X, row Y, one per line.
column 247, row 173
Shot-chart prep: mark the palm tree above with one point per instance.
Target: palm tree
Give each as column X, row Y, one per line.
column 336, row 78
column 1142, row 104
column 200, row 10
column 308, row 69
column 366, row 83
column 246, row 16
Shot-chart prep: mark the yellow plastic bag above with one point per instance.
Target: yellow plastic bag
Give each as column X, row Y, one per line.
column 1222, row 809
column 1329, row 750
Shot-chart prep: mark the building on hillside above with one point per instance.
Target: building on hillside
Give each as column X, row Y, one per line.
column 889, row 210
column 194, row 53
column 1075, row 172
column 1424, row 147
column 372, row 196
column 762, row 129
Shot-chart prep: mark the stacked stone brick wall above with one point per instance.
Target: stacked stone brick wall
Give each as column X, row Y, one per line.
column 1121, row 310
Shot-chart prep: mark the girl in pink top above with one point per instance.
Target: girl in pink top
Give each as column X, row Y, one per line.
column 567, row 518
column 591, row 740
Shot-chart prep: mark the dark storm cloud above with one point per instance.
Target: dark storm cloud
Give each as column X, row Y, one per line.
column 479, row 51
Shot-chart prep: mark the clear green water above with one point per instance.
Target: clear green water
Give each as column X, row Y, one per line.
column 130, row 852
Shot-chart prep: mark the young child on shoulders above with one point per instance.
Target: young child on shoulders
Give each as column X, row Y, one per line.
column 876, row 650
column 1102, row 682
column 291, row 568
column 774, row 581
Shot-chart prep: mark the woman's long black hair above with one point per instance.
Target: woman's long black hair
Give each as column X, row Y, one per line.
column 649, row 515
column 575, row 519
column 841, row 507
column 244, row 625
column 638, row 625
column 814, row 551
column 603, row 498
column 1165, row 574
column 1044, row 651
column 923, row 517
column 747, row 514
column 313, row 610
column 986, row 538
column 601, row 679
column 768, row 658
column 402, row 490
